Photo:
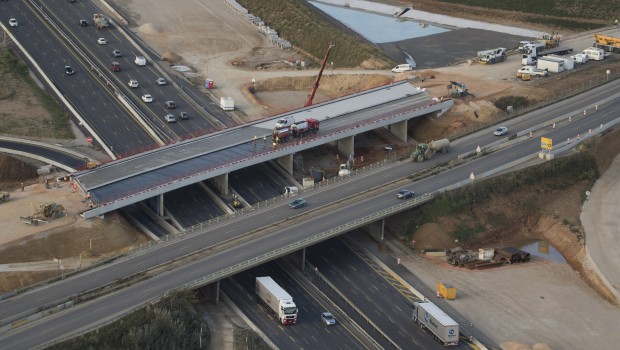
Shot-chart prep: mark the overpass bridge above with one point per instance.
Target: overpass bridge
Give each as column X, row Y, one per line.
column 151, row 174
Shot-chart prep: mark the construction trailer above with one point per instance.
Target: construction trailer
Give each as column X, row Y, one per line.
column 554, row 64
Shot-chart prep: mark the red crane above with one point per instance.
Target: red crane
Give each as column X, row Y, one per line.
column 316, row 83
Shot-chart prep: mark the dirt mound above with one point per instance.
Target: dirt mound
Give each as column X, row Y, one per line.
column 171, row 57
column 432, row 236
column 518, row 346
column 148, row 28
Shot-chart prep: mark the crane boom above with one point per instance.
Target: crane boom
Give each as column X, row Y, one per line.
column 318, row 78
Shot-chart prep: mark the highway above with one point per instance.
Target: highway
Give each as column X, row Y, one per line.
column 296, row 228
column 53, row 154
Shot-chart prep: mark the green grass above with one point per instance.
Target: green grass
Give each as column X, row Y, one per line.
column 309, row 30
column 11, row 67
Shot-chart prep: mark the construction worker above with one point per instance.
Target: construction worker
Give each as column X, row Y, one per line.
column 22, row 187
column 616, row 23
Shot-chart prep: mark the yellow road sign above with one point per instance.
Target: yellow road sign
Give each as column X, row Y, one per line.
column 546, row 143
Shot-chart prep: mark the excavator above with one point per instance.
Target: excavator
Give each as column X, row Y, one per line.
column 318, row 78
column 607, row 43
column 458, row 89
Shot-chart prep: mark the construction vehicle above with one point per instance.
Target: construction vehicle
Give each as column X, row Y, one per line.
column 531, row 51
column 607, row 43
column 278, row 300
column 236, row 203
column 492, row 56
column 458, row 89
column 4, row 197
column 344, row 170
column 281, row 134
column 318, row 78
column 446, row 291
column 431, row 317
column 299, row 129
column 44, row 213
column 426, row 151
column 100, row 21
column 551, row 40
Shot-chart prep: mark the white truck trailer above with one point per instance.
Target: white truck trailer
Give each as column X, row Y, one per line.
column 278, row 300
column 429, row 315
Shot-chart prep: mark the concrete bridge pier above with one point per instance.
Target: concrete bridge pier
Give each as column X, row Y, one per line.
column 160, row 205
column 221, row 182
column 212, row 291
column 346, row 145
column 297, row 259
column 399, row 129
column 286, row 162
column 376, row 230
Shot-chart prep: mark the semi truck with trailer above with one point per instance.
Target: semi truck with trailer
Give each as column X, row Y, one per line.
column 431, row 317
column 277, row 299
column 530, row 52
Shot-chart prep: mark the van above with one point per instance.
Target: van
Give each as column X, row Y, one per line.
column 402, row 68
column 285, row 122
column 291, row 190
column 140, row 61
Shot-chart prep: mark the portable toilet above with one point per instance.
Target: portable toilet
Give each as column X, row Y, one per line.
column 209, row 84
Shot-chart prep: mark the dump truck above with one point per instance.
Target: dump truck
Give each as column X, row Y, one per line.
column 430, row 316
column 607, row 43
column 278, row 300
column 426, row 151
column 492, row 56
column 100, row 21
column 4, row 197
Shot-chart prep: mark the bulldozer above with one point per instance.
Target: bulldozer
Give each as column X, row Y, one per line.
column 4, row 197
column 46, row 211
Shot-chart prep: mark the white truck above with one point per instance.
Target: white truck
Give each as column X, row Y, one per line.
column 140, row 61
column 531, row 51
column 285, row 122
column 278, row 300
column 227, row 103
column 531, row 70
column 430, row 316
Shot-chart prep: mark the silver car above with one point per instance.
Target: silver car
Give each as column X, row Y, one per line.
column 328, row 319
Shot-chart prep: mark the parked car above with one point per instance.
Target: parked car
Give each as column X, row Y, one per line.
column 161, row 81
column 170, row 105
column 133, row 83
column 170, row 118
column 83, row 23
column 102, row 41
column 147, row 98
column 328, row 319
column 117, row 53
column 297, row 203
column 13, row 22
column 404, row 194
column 184, row 116
column 115, row 67
column 502, row 130
column 69, row 70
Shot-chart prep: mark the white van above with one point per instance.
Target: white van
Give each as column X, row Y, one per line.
column 285, row 122
column 140, row 61
column 291, row 190
column 402, row 68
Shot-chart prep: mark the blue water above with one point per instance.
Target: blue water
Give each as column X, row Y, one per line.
column 543, row 250
column 378, row 28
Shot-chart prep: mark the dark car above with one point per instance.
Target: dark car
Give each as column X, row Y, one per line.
column 117, row 53
column 404, row 194
column 183, row 116
column 83, row 23
column 115, row 67
column 69, row 70
column 297, row 203
column 170, row 105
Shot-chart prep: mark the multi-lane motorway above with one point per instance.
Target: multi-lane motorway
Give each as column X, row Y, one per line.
column 297, row 228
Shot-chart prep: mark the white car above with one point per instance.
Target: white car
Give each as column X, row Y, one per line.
column 502, row 130
column 133, row 83
column 13, row 22
column 147, row 98
column 101, row 41
column 170, row 118
column 161, row 81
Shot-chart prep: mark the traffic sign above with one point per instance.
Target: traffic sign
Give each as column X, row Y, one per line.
column 89, row 139
column 546, row 143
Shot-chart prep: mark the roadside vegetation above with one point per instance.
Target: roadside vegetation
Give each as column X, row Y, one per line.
column 308, row 30
column 15, row 78
column 574, row 15
column 556, row 175
column 172, row 323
